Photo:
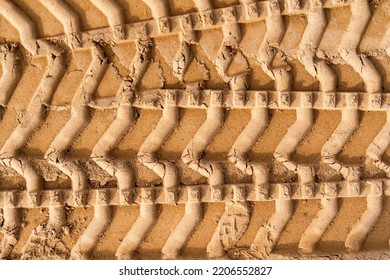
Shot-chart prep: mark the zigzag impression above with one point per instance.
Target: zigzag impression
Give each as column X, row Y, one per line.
column 32, row 119
column 237, row 198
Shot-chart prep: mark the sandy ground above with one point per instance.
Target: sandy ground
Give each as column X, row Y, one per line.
column 159, row 75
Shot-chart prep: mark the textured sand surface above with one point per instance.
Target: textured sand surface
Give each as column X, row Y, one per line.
column 194, row 129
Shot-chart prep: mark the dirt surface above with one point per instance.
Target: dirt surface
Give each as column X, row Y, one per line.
column 196, row 129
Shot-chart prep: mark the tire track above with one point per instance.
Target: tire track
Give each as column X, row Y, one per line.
column 271, row 180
